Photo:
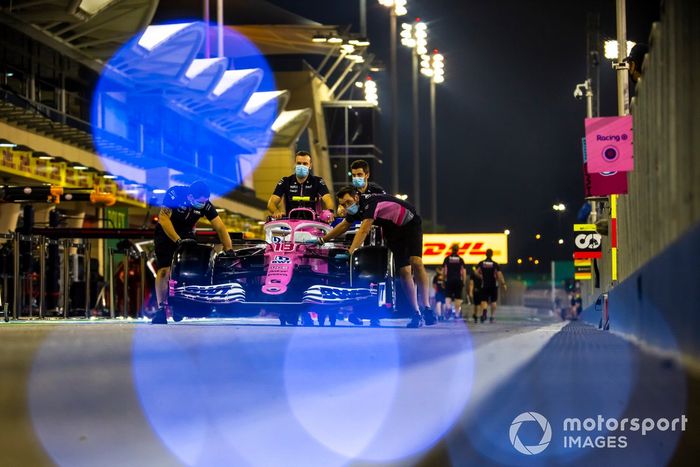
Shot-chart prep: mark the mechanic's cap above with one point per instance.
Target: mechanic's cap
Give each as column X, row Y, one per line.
column 199, row 189
column 637, row 54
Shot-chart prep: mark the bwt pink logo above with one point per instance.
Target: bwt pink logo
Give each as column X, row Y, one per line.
column 609, row 144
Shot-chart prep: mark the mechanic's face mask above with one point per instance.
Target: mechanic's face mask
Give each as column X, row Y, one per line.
column 197, row 205
column 358, row 182
column 301, row 171
column 352, row 209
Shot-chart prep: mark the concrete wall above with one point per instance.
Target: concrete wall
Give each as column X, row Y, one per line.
column 664, row 190
column 659, row 304
column 658, row 298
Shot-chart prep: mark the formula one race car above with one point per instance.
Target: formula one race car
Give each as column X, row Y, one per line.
column 288, row 271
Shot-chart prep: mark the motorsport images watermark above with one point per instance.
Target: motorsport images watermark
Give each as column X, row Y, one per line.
column 598, row 432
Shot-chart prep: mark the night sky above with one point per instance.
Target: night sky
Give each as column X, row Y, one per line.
column 509, row 128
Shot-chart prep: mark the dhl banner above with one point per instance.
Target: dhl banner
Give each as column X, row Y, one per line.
column 472, row 247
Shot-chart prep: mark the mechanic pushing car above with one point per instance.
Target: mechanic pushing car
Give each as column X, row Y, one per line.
column 182, row 207
column 402, row 228
column 300, row 190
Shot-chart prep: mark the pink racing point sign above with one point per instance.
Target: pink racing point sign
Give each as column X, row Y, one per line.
column 609, row 145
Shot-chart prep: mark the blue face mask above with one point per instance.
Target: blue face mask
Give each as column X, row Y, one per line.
column 198, row 205
column 301, row 171
column 358, row 182
column 352, row 209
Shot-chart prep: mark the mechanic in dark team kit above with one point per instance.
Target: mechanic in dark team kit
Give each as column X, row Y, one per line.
column 301, row 189
column 359, row 170
column 360, row 179
column 454, row 272
column 403, row 232
column 474, row 292
column 490, row 273
column 439, row 287
column 182, row 207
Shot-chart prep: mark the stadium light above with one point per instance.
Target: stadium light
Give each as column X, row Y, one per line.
column 371, row 95
column 397, row 6
column 610, row 49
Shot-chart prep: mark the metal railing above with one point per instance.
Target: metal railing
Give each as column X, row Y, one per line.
column 22, row 299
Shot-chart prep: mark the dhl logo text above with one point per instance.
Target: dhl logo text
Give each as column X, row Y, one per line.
column 465, row 249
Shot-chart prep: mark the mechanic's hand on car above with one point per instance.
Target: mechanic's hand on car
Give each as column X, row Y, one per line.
column 278, row 215
column 186, row 241
column 229, row 253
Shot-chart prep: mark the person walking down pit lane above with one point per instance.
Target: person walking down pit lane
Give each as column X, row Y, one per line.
column 403, row 233
column 301, row 189
column 439, row 287
column 490, row 273
column 475, row 293
column 182, row 207
column 455, row 273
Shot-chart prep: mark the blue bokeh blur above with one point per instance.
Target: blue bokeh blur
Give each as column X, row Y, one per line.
column 163, row 112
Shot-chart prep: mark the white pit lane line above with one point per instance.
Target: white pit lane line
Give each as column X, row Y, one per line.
column 498, row 360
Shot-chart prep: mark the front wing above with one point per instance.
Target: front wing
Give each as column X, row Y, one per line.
column 233, row 292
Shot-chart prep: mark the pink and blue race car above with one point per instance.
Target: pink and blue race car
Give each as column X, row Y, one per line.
column 288, row 272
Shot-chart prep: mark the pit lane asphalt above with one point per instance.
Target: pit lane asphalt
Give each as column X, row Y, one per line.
column 77, row 392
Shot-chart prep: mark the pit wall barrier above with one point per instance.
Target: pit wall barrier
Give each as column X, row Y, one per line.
column 663, row 202
column 659, row 304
